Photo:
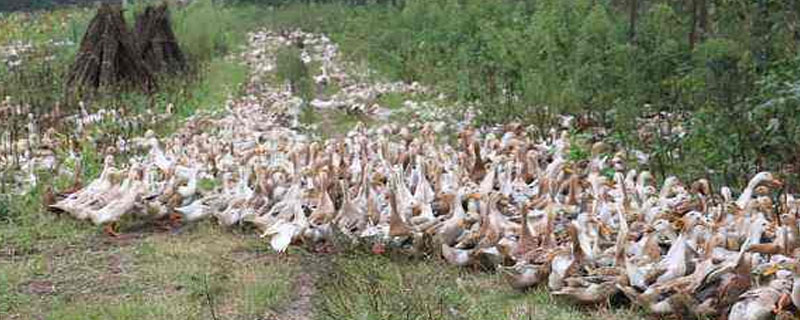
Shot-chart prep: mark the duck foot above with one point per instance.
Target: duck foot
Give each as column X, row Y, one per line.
column 109, row 230
column 784, row 301
column 162, row 225
column 175, row 220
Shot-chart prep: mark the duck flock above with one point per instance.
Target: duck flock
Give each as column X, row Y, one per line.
column 496, row 198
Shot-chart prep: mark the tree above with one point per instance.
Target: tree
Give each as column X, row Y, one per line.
column 694, row 23
column 633, row 15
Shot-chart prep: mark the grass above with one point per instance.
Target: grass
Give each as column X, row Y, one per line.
column 56, row 268
column 151, row 276
column 586, row 63
column 360, row 286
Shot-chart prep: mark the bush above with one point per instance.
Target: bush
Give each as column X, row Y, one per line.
column 292, row 70
column 531, row 60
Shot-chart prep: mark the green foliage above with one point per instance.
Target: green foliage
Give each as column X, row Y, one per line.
column 532, row 60
column 5, row 208
column 291, row 69
column 205, row 29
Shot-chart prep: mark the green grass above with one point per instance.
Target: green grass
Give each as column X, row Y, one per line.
column 154, row 276
column 207, row 269
column 392, row 100
column 332, row 123
column 151, row 276
column 292, row 70
column 361, row 286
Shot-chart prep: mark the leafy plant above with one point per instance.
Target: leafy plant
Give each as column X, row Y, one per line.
column 292, row 70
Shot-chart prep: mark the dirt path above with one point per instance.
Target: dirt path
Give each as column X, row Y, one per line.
column 300, row 307
column 313, row 270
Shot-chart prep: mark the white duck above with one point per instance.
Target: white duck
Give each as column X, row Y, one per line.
column 130, row 191
column 73, row 203
column 757, row 180
column 195, row 211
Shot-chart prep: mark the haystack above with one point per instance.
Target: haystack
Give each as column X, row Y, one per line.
column 109, row 56
column 159, row 48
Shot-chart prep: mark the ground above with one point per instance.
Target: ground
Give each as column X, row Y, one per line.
column 53, row 267
column 204, row 271
column 195, row 273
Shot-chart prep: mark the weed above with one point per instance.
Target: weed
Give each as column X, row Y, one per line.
column 292, row 70
column 361, row 286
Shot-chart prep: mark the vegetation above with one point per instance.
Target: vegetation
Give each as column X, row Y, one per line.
column 359, row 286
column 292, row 70
column 57, row 268
column 724, row 71
column 201, row 272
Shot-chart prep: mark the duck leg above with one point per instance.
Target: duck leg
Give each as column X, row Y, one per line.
column 784, row 301
column 164, row 223
column 109, row 229
column 175, row 220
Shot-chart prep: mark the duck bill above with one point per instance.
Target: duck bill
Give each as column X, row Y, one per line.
column 776, row 183
column 604, row 229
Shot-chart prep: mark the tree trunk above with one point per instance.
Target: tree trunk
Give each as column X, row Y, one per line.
column 794, row 11
column 703, row 23
column 693, row 28
column 761, row 29
column 634, row 10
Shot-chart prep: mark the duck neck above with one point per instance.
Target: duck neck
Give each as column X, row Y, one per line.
column 747, row 193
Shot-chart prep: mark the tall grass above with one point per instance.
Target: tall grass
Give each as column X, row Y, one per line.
column 207, row 29
column 532, row 60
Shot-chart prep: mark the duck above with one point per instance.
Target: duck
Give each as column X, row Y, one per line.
column 351, row 218
column 759, row 303
column 523, row 276
column 194, row 211
column 564, row 262
column 795, row 294
column 190, row 189
column 325, row 210
column 75, row 202
column 457, row 257
column 281, row 235
column 109, row 214
column 397, row 225
column 758, row 179
column 454, row 227
column 592, row 294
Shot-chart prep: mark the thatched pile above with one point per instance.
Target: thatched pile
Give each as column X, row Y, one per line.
column 159, row 48
column 109, row 56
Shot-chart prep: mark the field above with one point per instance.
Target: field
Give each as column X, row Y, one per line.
column 52, row 267
column 480, row 70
